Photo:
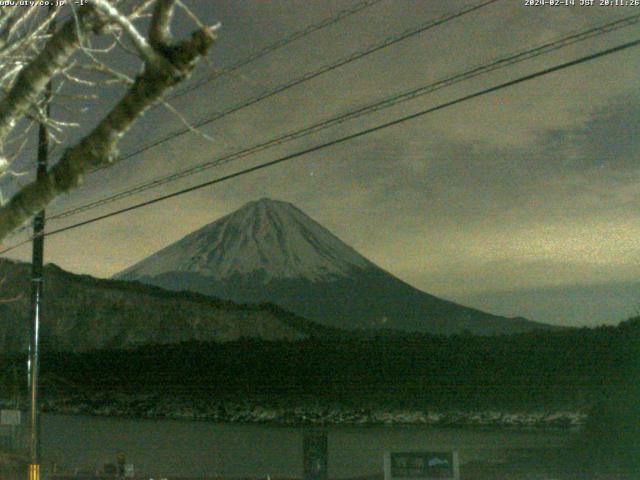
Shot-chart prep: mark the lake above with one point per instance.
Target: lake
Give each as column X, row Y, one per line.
column 191, row 449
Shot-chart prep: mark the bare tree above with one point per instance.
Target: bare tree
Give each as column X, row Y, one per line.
column 32, row 54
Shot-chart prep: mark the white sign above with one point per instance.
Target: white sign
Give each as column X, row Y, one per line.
column 421, row 466
column 10, row 417
column 128, row 470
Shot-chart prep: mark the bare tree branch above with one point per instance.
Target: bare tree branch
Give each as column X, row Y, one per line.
column 172, row 64
column 160, row 32
column 33, row 79
column 140, row 43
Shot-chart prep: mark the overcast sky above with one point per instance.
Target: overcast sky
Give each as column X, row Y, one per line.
column 521, row 202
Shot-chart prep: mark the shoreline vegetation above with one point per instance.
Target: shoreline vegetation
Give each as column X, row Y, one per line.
column 583, row 383
column 536, row 380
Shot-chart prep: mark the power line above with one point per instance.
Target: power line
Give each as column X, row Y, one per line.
column 308, row 76
column 262, row 52
column 358, row 7
column 391, row 40
column 283, row 42
column 501, row 62
column 346, row 138
column 278, row 44
column 387, row 42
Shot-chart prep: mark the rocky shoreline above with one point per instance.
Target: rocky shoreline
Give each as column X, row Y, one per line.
column 173, row 408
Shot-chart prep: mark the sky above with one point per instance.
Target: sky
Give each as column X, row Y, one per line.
column 520, row 202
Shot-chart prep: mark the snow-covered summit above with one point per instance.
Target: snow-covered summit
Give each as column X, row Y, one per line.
column 269, row 251
column 267, row 237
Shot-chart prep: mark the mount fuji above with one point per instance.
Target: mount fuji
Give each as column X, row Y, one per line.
column 270, row 251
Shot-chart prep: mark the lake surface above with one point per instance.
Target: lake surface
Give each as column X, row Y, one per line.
column 191, row 449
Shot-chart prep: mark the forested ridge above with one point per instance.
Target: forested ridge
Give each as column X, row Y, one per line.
column 575, row 367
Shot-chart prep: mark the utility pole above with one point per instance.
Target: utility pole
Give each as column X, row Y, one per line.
column 37, row 261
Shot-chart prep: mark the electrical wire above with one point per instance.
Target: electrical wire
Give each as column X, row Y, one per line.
column 262, row 52
column 501, row 62
column 283, row 42
column 387, row 42
column 391, row 40
column 345, row 138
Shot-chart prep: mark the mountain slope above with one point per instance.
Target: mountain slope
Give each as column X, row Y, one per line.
column 85, row 313
column 270, row 238
column 271, row 251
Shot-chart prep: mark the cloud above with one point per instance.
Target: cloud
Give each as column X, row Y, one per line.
column 533, row 186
